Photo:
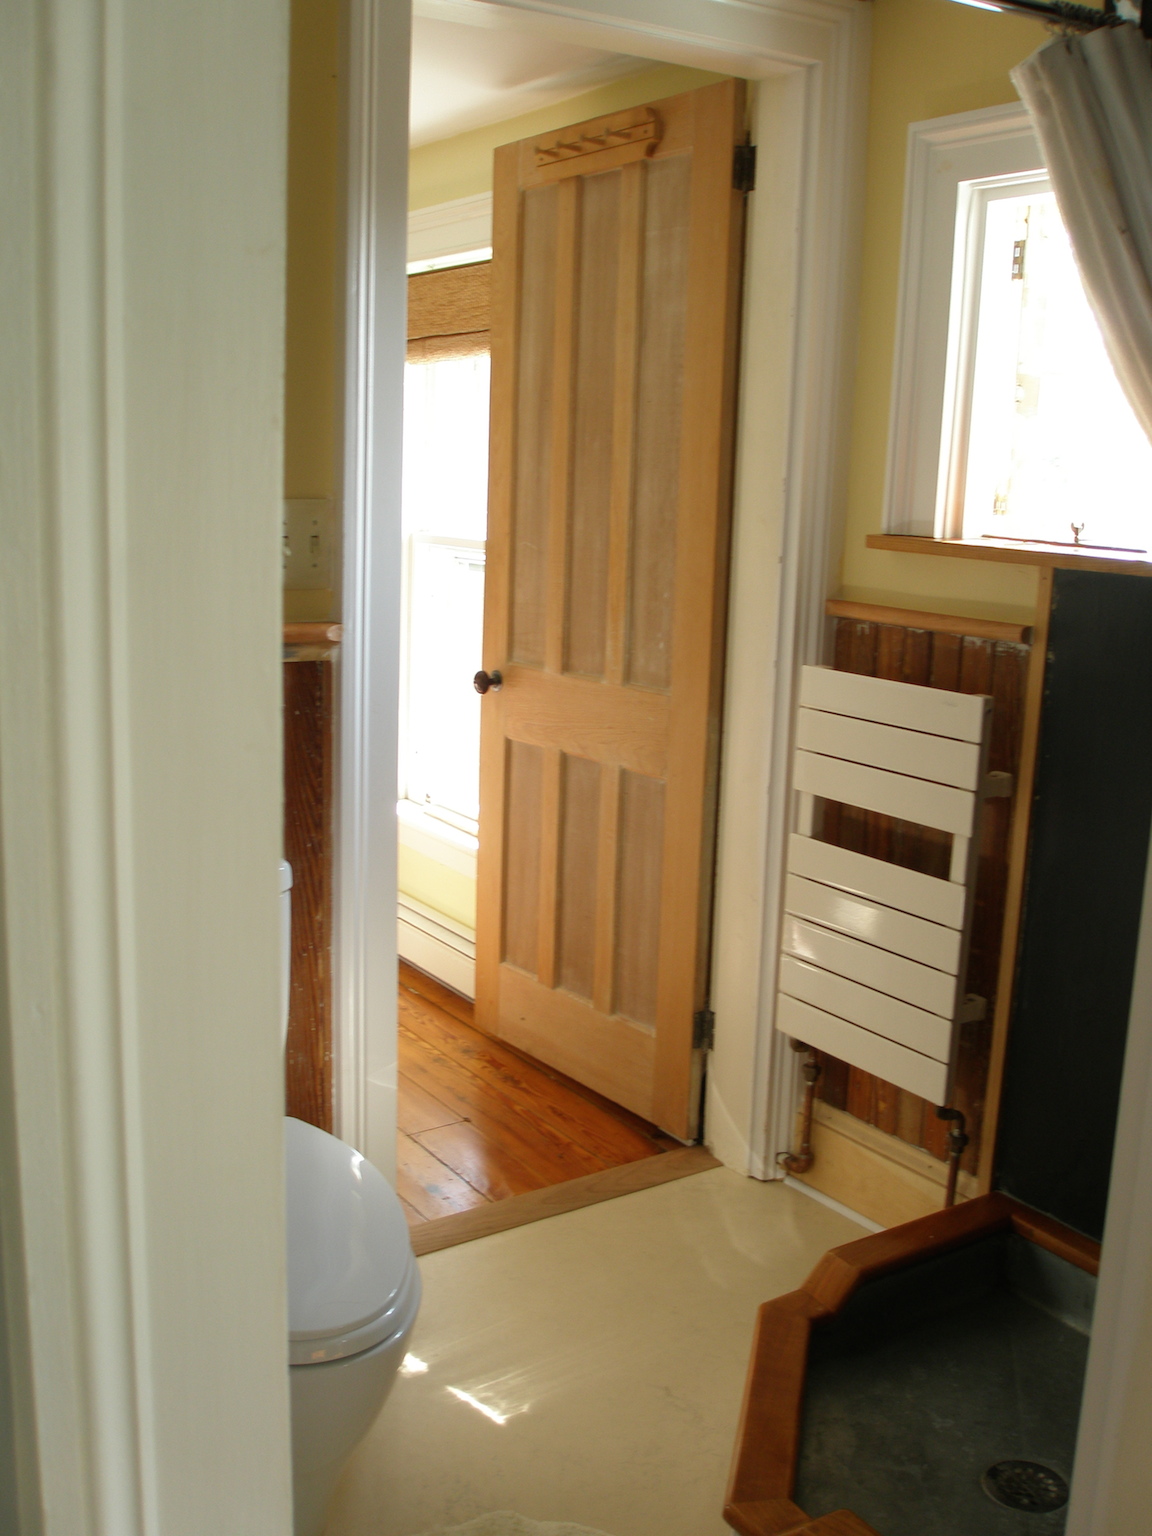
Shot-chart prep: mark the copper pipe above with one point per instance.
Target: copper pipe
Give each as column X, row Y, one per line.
column 957, row 1141
column 800, row 1162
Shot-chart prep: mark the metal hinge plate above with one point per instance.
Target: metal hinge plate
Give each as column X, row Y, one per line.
column 744, row 167
column 703, row 1030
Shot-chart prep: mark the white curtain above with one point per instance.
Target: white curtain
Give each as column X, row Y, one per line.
column 1090, row 100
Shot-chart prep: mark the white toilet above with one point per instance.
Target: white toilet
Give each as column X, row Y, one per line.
column 353, row 1295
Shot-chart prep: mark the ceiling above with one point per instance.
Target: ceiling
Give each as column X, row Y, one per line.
column 465, row 76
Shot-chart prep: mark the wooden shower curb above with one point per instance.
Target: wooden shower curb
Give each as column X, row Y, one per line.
column 759, row 1501
column 572, row 1195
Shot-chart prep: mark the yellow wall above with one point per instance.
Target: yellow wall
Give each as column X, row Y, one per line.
column 447, row 890
column 314, row 309
column 462, row 166
column 930, row 58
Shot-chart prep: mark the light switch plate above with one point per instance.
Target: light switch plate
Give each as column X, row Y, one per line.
column 309, row 536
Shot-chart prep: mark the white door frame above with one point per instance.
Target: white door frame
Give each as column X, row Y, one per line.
column 143, row 152
column 810, row 58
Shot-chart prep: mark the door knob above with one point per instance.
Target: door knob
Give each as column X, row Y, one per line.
column 483, row 681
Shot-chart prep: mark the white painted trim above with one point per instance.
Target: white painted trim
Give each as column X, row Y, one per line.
column 450, row 229
column 1112, row 1489
column 431, row 920
column 437, row 944
column 810, row 58
column 365, row 876
column 791, row 459
column 943, row 154
column 141, row 380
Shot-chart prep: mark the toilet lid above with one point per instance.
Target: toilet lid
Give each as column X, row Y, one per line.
column 349, row 1255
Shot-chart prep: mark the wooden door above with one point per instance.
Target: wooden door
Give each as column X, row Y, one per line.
column 615, row 306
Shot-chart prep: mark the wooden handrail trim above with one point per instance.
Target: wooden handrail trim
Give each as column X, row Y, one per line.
column 1083, row 1252
column 313, row 634
column 772, row 1517
column 764, row 1462
column 940, row 623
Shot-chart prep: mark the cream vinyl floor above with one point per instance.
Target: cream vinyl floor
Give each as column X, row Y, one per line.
column 587, row 1368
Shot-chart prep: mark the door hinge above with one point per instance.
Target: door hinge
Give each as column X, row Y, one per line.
column 703, row 1030
column 744, row 168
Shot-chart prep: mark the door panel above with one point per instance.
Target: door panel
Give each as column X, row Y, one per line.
column 615, row 304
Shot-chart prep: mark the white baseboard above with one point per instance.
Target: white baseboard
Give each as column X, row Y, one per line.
column 436, row 944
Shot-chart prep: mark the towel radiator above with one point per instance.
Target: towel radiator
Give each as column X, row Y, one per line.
column 873, row 955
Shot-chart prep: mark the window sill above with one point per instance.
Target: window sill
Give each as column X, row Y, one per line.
column 1006, row 553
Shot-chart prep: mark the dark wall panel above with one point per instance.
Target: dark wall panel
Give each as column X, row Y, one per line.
column 1089, row 844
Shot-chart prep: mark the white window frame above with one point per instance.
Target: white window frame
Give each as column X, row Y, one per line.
column 955, row 164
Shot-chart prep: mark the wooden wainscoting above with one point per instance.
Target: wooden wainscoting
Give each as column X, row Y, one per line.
column 308, row 848
column 937, row 652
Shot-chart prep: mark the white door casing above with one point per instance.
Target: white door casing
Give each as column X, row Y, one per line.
column 143, row 152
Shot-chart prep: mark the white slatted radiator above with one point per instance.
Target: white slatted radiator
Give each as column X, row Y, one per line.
column 873, row 954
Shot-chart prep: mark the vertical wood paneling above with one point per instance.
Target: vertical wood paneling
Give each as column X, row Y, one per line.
column 308, row 848
column 570, row 196
column 593, row 421
column 579, row 847
column 630, row 249
column 660, row 389
column 964, row 664
column 522, row 831
column 532, row 490
column 607, row 891
column 548, row 893
column 638, row 908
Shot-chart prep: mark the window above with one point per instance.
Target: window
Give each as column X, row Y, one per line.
column 1008, row 420
column 445, row 499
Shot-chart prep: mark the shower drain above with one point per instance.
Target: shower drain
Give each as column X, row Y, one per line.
column 1025, row 1485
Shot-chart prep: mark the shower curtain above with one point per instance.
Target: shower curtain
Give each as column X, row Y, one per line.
column 1090, row 100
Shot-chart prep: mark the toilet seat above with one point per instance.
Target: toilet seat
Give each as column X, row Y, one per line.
column 352, row 1277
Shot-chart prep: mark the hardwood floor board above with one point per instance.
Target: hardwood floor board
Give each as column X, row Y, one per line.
column 543, row 1098
column 423, row 985
column 484, row 1127
column 485, row 1164
column 461, row 1008
column 494, row 1114
column 424, row 1183
column 418, row 1110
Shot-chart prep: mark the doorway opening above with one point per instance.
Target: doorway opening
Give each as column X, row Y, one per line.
column 536, row 1018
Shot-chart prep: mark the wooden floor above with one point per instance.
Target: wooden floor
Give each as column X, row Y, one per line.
column 480, row 1121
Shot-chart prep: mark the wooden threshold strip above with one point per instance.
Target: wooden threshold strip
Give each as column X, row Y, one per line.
column 940, row 623
column 572, row 1195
